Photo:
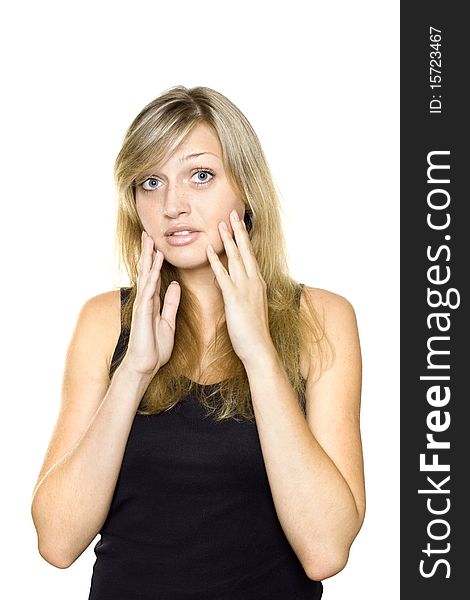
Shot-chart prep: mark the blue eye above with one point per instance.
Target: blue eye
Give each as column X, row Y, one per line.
column 206, row 174
column 152, row 183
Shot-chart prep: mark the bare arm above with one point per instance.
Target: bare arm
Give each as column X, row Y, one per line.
column 77, row 481
column 72, row 498
column 314, row 465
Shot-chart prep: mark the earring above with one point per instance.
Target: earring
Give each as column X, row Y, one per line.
column 248, row 219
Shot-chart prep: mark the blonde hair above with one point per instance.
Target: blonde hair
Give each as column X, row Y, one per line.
column 152, row 137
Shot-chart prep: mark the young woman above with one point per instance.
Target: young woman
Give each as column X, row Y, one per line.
column 209, row 427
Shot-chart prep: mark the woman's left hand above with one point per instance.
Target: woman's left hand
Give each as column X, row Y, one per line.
column 244, row 292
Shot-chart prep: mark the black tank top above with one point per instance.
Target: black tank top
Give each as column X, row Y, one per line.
column 192, row 515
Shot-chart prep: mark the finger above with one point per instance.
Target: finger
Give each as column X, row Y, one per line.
column 139, row 262
column 235, row 262
column 149, row 281
column 147, row 253
column 223, row 278
column 145, row 259
column 154, row 281
column 159, row 280
column 151, row 285
column 244, row 245
column 156, row 297
column 171, row 303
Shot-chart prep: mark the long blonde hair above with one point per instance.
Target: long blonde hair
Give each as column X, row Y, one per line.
column 152, row 137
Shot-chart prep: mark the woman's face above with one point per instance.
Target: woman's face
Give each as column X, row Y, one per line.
column 192, row 192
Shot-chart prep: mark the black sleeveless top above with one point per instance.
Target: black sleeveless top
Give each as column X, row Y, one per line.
column 192, row 515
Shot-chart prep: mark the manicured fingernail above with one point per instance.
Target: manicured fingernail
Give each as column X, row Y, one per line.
column 224, row 226
column 210, row 248
column 234, row 215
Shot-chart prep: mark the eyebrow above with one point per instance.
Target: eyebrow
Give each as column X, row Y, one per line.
column 189, row 156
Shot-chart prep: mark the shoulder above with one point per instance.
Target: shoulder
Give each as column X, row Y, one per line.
column 328, row 304
column 336, row 318
column 336, row 313
column 103, row 310
column 99, row 323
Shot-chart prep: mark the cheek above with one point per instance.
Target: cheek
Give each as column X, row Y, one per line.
column 145, row 213
column 140, row 210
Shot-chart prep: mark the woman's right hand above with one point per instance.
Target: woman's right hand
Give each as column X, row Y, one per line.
column 152, row 334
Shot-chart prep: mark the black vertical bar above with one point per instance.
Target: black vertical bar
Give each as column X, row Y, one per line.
column 435, row 257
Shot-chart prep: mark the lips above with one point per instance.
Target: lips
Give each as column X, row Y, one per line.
column 181, row 239
column 188, row 229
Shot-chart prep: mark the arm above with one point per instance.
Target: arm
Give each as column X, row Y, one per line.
column 314, row 465
column 75, row 487
column 76, row 484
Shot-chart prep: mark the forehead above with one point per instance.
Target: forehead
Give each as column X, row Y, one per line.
column 200, row 139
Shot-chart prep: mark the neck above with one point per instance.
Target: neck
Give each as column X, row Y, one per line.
column 203, row 284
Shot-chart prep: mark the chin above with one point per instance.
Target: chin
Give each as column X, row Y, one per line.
column 187, row 262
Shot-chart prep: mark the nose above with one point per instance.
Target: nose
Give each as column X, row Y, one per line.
column 175, row 202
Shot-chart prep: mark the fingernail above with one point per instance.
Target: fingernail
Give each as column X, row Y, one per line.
column 234, row 215
column 224, row 226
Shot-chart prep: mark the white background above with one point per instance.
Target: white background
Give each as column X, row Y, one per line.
column 319, row 83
